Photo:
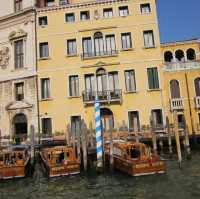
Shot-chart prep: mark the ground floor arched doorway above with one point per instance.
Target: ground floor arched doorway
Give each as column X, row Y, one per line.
column 20, row 127
column 107, row 119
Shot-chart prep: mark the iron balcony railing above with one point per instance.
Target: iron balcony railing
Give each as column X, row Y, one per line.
column 197, row 102
column 87, row 55
column 106, row 96
column 177, row 104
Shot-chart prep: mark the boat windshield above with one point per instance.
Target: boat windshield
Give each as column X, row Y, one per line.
column 135, row 153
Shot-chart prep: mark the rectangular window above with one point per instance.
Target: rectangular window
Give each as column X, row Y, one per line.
column 50, row 3
column 19, row 54
column 134, row 121
column 47, row 126
column 181, row 122
column 145, row 8
column 19, row 91
column 148, row 39
column 45, row 88
column 43, row 21
column 107, row 12
column 44, row 50
column 87, row 47
column 63, row 2
column 17, row 5
column 123, row 11
column 157, row 117
column 73, row 86
column 153, row 78
column 71, row 47
column 113, row 81
column 75, row 124
column 110, row 44
column 85, row 15
column 89, row 83
column 130, row 81
column 126, row 40
column 70, row 17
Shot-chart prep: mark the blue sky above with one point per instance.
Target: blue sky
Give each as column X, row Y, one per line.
column 178, row 19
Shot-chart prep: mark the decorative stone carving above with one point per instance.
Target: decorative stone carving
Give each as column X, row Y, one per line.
column 17, row 34
column 4, row 57
column 18, row 105
column 96, row 14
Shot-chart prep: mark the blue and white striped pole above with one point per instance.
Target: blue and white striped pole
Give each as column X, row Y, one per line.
column 99, row 147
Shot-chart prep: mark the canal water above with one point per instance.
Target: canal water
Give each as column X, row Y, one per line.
column 175, row 184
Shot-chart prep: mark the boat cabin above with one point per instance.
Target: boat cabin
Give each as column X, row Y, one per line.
column 60, row 161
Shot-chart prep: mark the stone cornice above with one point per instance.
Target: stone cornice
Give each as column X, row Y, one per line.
column 17, row 14
column 191, row 41
column 80, row 5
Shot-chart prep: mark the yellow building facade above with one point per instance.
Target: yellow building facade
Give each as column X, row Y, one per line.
column 181, row 71
column 109, row 49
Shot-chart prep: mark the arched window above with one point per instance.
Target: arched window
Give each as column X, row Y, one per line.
column 168, row 56
column 175, row 89
column 107, row 119
column 98, row 44
column 191, row 54
column 197, row 86
column 179, row 55
column 101, row 80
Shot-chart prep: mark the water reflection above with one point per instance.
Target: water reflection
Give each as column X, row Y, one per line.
column 179, row 184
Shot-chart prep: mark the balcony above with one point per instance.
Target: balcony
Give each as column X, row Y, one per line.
column 106, row 96
column 177, row 104
column 197, row 102
column 50, row 3
column 92, row 55
column 180, row 66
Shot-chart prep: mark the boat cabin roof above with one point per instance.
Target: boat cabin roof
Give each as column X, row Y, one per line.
column 56, row 149
column 126, row 145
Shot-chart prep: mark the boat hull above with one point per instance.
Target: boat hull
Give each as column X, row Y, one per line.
column 139, row 168
column 71, row 168
column 9, row 172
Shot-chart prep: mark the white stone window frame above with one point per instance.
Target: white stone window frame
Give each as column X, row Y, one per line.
column 14, row 82
column 24, row 38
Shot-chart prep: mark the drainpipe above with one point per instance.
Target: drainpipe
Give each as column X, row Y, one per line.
column 188, row 96
column 36, row 65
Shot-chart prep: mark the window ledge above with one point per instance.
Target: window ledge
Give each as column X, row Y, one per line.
column 126, row 49
column 74, row 97
column 47, row 99
column 74, row 55
column 43, row 26
column 100, row 56
column 44, row 58
column 70, row 22
column 130, row 92
column 19, row 69
column 148, row 13
column 125, row 15
column 150, row 47
column 152, row 90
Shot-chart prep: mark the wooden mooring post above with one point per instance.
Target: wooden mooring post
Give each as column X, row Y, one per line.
column 187, row 142
column 168, row 130
column 154, row 140
column 111, row 149
column 78, row 143
column 177, row 138
column 84, row 143
column 32, row 139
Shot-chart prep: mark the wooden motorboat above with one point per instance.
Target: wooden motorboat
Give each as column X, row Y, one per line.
column 14, row 162
column 134, row 158
column 59, row 161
